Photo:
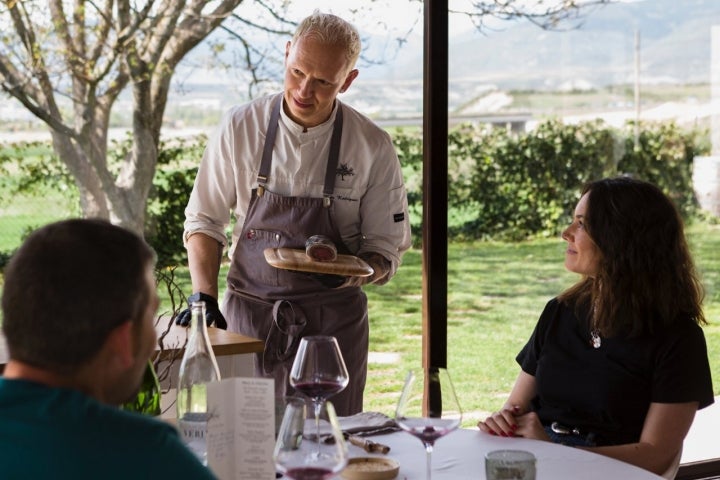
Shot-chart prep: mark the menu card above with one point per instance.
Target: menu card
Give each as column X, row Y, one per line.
column 241, row 428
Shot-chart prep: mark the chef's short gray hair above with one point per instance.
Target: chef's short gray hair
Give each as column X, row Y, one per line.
column 332, row 30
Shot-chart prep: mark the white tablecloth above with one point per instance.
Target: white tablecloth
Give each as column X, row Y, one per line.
column 461, row 455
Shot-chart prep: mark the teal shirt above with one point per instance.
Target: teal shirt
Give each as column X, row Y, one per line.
column 52, row 433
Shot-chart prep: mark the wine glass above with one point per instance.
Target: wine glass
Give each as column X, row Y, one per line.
column 428, row 408
column 318, row 370
column 300, row 453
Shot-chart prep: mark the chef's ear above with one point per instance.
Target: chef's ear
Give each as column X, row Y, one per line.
column 352, row 75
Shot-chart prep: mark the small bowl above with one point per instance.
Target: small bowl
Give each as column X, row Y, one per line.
column 371, row 468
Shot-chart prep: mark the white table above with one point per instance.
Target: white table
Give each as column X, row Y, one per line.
column 461, row 456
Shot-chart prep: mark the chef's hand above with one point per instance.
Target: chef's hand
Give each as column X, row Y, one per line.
column 329, row 280
column 212, row 311
column 381, row 270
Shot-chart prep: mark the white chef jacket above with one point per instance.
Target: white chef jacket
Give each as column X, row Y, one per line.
column 369, row 203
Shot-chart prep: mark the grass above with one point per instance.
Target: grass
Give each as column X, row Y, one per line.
column 496, row 292
column 14, row 215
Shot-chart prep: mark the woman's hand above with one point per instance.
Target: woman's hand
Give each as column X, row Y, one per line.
column 529, row 426
column 515, row 419
column 502, row 423
column 510, row 422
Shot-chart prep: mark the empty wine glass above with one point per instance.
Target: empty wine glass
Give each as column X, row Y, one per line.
column 318, row 370
column 304, row 453
column 428, row 408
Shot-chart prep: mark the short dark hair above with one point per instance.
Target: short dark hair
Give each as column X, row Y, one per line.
column 67, row 286
column 646, row 277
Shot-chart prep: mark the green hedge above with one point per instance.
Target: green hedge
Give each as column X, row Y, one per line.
column 502, row 185
column 509, row 186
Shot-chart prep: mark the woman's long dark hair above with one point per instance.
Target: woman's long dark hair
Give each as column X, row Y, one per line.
column 646, row 277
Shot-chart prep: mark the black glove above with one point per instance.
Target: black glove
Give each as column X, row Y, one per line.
column 212, row 311
column 326, row 279
column 329, row 280
column 381, row 269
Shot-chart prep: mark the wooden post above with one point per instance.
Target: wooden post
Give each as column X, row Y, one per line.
column 435, row 183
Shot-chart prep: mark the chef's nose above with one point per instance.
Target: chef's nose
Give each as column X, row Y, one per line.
column 306, row 88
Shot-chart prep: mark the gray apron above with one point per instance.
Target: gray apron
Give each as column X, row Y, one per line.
column 281, row 306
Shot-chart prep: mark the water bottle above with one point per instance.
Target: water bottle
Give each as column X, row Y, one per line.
column 197, row 368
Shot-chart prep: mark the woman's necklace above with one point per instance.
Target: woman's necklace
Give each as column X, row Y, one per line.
column 595, row 339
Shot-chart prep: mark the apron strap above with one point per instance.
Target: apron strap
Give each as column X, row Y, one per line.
column 333, row 157
column 333, row 154
column 266, row 163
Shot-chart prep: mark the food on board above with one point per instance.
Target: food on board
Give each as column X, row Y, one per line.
column 320, row 248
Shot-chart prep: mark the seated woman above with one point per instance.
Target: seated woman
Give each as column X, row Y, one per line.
column 617, row 363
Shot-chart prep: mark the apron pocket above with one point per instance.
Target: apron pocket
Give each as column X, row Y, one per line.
column 255, row 242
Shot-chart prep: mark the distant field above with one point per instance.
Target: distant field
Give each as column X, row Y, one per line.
column 615, row 97
column 182, row 119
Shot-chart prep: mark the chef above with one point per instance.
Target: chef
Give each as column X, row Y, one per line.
column 289, row 166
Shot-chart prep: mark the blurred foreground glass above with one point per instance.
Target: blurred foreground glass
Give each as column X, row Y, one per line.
column 428, row 408
column 510, row 465
column 197, row 368
column 300, row 453
column 281, row 404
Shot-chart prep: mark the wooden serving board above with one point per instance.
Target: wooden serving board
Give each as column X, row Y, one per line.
column 295, row 259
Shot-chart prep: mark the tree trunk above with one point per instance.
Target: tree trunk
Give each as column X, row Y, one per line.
column 132, row 43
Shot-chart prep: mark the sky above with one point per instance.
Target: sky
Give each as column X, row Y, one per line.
column 376, row 17
column 381, row 24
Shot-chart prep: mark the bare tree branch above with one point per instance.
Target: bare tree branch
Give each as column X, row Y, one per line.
column 554, row 15
column 85, row 53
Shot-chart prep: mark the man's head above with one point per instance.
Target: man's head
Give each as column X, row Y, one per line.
column 79, row 290
column 319, row 64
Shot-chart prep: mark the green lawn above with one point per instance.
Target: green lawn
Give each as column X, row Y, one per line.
column 496, row 292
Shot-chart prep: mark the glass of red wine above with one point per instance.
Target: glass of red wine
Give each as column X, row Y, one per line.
column 300, row 453
column 428, row 408
column 318, row 370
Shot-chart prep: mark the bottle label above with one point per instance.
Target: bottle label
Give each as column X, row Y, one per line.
column 193, row 429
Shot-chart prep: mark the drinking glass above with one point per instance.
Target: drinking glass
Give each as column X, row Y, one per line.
column 428, row 408
column 300, row 453
column 318, row 370
column 509, row 464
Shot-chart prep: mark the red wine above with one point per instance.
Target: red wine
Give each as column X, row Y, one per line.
column 428, row 430
column 319, row 389
column 309, row 473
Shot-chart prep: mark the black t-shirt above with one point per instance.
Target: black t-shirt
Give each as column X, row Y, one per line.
column 608, row 390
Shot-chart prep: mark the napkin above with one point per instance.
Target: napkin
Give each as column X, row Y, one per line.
column 367, row 423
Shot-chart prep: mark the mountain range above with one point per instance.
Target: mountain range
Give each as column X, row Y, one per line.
column 674, row 39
